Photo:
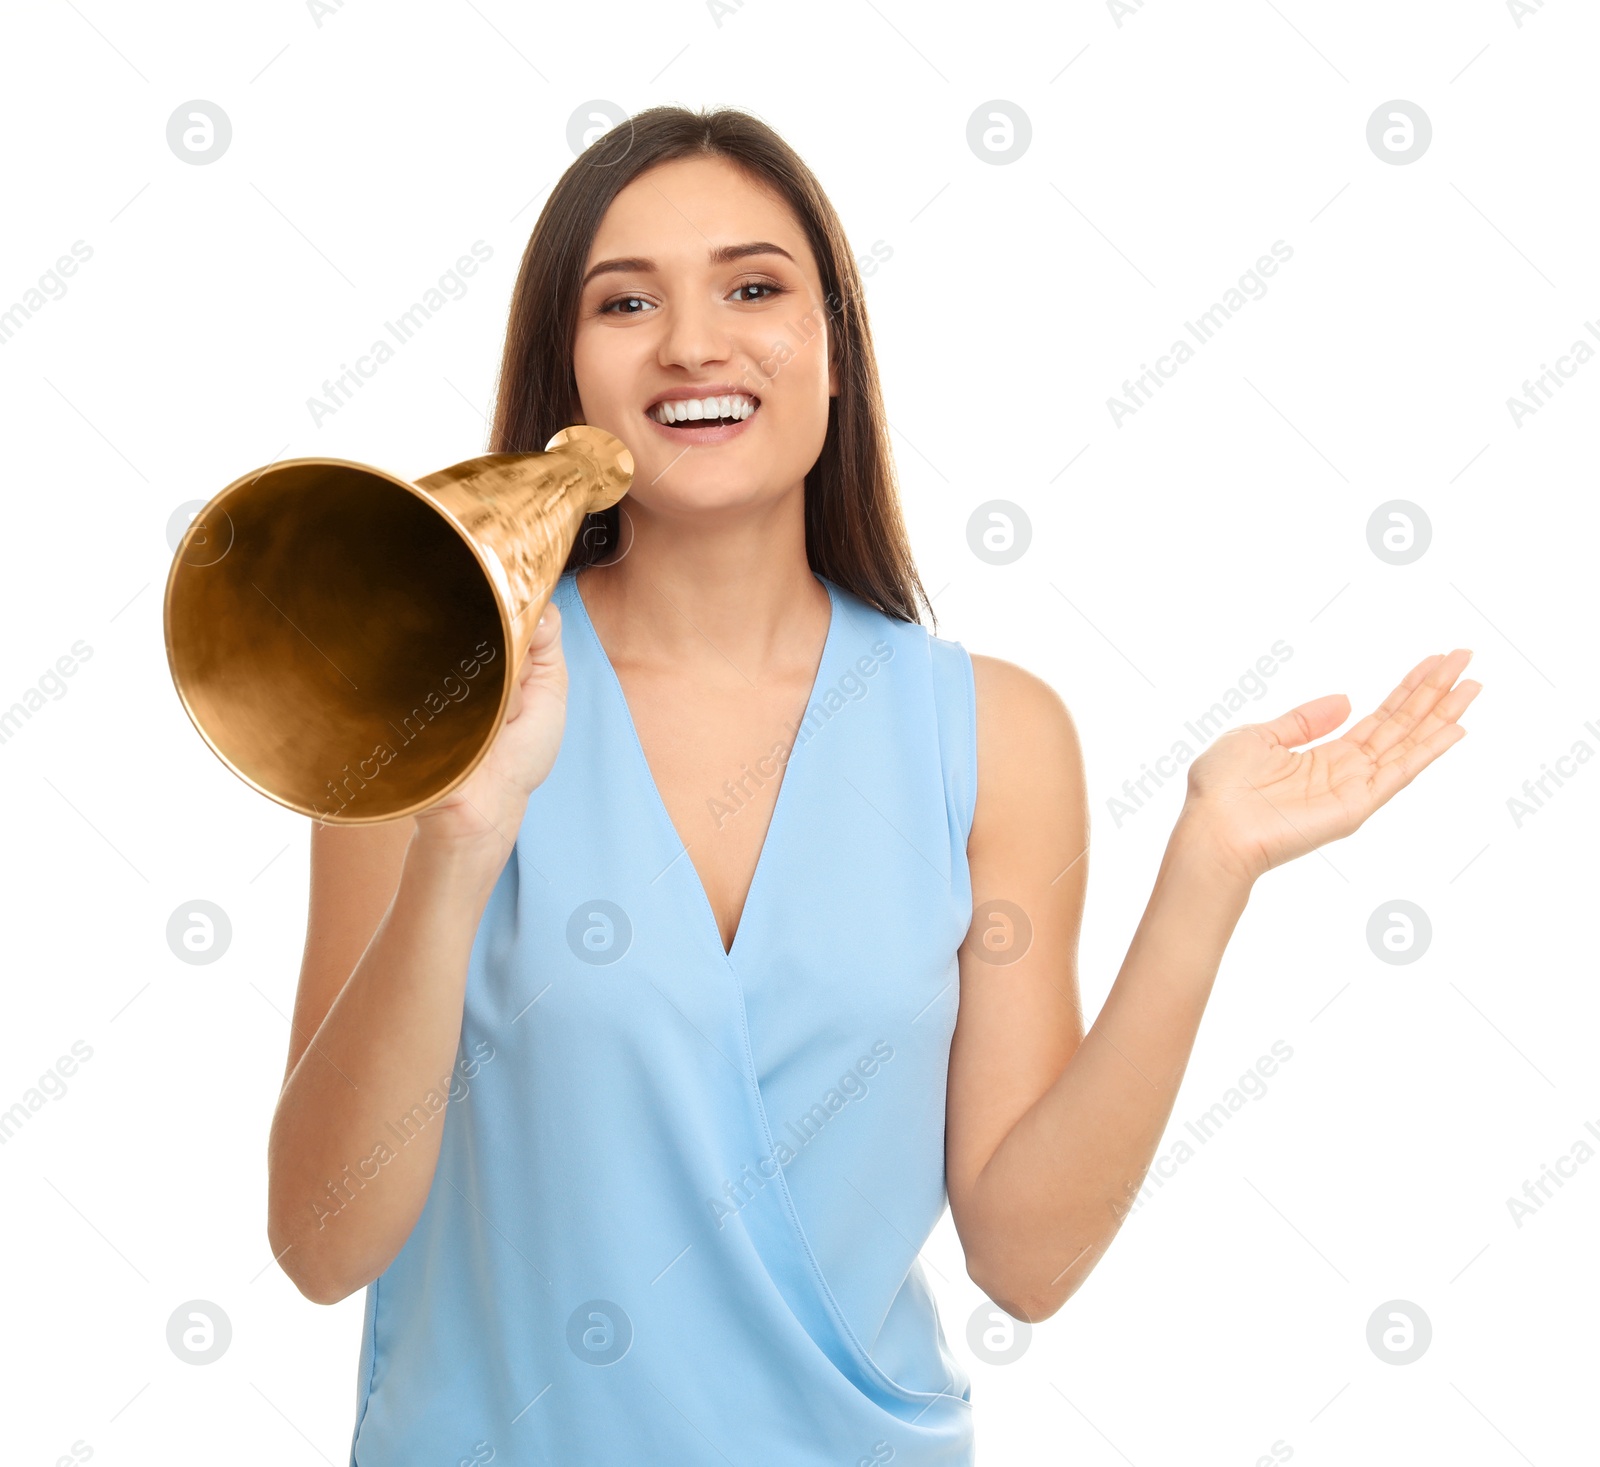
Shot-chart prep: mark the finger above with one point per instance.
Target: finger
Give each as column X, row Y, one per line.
column 1447, row 710
column 1408, row 719
column 548, row 626
column 1418, row 704
column 1399, row 772
column 532, row 663
column 1308, row 721
column 546, row 637
column 1363, row 730
column 543, row 657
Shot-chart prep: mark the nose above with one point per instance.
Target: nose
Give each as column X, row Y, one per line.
column 695, row 332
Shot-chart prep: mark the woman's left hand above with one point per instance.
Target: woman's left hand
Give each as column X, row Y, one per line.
column 1260, row 801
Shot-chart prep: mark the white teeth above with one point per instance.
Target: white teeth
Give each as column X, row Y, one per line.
column 736, row 406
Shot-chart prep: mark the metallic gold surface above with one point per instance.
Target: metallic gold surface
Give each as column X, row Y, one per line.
column 346, row 641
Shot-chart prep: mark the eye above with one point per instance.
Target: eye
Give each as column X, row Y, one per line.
column 609, row 308
column 636, row 305
column 767, row 285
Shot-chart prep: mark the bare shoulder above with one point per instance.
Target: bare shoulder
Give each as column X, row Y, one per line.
column 1011, row 687
column 1030, row 762
column 1019, row 709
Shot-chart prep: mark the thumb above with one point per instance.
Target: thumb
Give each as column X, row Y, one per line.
column 546, row 638
column 1308, row 721
column 542, row 662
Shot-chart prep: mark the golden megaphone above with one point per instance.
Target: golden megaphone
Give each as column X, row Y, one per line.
column 346, row 640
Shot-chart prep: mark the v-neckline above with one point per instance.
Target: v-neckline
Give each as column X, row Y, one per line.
column 655, row 790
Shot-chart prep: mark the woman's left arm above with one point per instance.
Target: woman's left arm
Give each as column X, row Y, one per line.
column 1050, row 1131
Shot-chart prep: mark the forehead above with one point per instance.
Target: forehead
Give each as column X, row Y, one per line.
column 676, row 211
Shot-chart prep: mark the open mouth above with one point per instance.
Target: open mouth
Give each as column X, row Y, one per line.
column 721, row 411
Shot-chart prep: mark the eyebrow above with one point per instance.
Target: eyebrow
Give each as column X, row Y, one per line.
column 718, row 255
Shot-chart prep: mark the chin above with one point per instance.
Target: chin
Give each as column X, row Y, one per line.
column 710, row 493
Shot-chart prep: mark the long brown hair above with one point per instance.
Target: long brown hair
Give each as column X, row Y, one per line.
column 855, row 535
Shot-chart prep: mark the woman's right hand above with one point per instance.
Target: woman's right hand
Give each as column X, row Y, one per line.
column 484, row 812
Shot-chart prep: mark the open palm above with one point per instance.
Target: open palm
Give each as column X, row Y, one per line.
column 1267, row 802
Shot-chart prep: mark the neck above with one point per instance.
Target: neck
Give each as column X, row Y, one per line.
column 732, row 586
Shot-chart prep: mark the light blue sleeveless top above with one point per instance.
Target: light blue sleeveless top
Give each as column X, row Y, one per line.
column 681, row 1192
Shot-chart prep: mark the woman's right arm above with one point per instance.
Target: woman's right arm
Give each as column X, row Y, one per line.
column 394, row 910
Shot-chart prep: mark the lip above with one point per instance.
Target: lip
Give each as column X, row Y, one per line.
column 703, row 389
column 692, row 436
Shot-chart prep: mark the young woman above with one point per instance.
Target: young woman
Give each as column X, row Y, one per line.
column 753, row 939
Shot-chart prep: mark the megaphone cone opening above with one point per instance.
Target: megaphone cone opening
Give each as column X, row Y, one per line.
column 347, row 656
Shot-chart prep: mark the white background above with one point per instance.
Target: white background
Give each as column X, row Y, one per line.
column 1168, row 153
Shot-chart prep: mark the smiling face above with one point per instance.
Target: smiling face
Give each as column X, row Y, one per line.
column 702, row 301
